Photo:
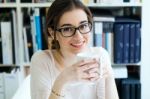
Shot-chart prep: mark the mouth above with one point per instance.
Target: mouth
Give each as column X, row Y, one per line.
column 78, row 45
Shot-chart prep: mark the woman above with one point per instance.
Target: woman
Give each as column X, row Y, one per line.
column 55, row 73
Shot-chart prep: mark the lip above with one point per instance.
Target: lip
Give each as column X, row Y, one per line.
column 78, row 45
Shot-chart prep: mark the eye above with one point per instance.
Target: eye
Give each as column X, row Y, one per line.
column 84, row 26
column 67, row 29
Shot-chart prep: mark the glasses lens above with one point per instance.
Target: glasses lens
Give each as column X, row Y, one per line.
column 70, row 31
column 85, row 28
column 67, row 31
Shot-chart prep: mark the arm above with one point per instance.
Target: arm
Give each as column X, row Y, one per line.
column 106, row 88
column 42, row 76
column 110, row 86
column 58, row 90
column 43, row 81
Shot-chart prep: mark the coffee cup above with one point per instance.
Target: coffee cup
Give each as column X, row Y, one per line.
column 90, row 55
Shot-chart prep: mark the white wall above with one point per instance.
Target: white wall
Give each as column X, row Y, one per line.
column 145, row 67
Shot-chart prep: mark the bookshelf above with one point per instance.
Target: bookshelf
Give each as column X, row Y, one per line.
column 145, row 65
column 18, row 6
column 10, row 5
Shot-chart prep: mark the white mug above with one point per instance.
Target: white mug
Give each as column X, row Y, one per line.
column 91, row 54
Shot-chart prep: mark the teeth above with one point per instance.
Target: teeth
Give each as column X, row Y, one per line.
column 78, row 43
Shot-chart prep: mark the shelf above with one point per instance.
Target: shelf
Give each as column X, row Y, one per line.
column 115, row 5
column 40, row 5
column 8, row 65
column 8, row 5
column 126, row 64
column 25, row 64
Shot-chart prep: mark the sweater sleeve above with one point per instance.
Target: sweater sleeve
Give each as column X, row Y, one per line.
column 107, row 83
column 41, row 75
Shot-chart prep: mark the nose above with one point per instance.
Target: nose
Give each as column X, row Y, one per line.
column 78, row 35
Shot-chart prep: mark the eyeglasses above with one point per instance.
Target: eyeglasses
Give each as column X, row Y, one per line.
column 69, row 31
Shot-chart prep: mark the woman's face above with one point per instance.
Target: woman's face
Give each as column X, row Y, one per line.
column 78, row 42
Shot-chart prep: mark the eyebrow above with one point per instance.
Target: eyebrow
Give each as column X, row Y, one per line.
column 72, row 25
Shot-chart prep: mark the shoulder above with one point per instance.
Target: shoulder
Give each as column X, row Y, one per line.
column 41, row 55
column 41, row 61
column 42, row 58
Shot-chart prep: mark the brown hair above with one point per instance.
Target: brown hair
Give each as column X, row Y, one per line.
column 56, row 10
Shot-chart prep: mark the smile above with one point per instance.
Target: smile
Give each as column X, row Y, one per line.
column 78, row 45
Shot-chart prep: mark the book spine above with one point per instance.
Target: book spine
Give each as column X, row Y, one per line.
column 6, row 42
column 138, row 91
column 137, row 43
column 1, row 56
column 38, row 28
column 133, row 94
column 2, row 90
column 126, row 43
column 98, row 33
column 131, row 42
column 125, row 90
column 26, row 56
column 118, row 43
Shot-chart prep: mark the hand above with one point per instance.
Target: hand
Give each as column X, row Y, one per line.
column 85, row 70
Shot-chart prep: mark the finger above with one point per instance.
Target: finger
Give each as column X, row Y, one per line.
column 87, row 75
column 92, row 70
column 86, row 79
column 94, row 78
column 89, row 66
column 86, row 61
column 93, row 75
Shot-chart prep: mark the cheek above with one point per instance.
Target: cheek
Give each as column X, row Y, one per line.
column 87, row 37
column 63, row 41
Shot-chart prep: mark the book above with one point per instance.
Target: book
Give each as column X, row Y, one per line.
column 15, row 36
column 38, row 28
column 137, row 42
column 109, row 38
column 1, row 56
column 126, row 43
column 11, row 83
column 138, row 91
column 32, row 20
column 1, row 86
column 26, row 1
column 98, row 30
column 26, row 55
column 118, row 42
column 131, row 88
column 102, row 24
column 131, row 39
column 132, row 42
column 28, row 44
column 6, row 34
column 125, row 89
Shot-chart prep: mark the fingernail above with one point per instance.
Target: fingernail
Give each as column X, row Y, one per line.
column 94, row 59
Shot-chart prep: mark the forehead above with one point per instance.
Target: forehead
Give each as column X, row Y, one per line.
column 73, row 17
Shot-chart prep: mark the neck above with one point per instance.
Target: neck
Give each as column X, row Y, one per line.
column 69, row 59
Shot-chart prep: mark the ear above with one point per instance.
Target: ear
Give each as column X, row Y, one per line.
column 51, row 32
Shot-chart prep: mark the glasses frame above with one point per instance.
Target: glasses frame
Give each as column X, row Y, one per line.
column 75, row 29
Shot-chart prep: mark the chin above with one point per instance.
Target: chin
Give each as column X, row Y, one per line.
column 76, row 51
